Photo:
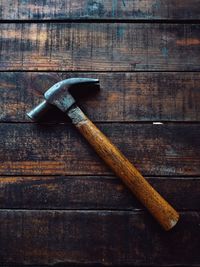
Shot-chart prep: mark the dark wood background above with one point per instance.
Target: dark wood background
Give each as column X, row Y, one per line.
column 59, row 204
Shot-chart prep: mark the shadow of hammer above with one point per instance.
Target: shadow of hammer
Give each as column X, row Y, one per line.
column 59, row 95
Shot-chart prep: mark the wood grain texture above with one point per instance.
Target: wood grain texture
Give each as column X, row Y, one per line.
column 125, row 97
column 91, row 192
column 96, row 237
column 32, row 149
column 170, row 152
column 99, row 9
column 100, row 46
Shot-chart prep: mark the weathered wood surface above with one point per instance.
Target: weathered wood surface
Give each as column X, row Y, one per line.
column 91, row 192
column 125, row 97
column 99, row 9
column 100, row 46
column 84, row 229
column 95, row 237
column 32, row 149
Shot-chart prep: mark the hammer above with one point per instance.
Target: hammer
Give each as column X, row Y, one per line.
column 59, row 95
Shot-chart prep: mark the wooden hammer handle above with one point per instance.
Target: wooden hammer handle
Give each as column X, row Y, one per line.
column 162, row 211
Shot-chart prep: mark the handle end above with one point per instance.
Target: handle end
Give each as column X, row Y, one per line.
column 172, row 221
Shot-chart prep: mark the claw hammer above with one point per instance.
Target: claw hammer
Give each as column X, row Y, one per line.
column 59, row 95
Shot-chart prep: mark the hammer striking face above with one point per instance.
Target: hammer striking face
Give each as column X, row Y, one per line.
column 60, row 96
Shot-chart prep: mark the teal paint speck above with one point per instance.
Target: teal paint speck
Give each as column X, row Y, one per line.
column 114, row 7
column 123, row 2
column 120, row 31
column 156, row 5
column 165, row 52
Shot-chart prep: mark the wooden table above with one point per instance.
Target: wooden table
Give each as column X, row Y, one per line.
column 59, row 204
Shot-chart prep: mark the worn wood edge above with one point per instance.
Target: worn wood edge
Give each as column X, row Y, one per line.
column 130, row 228
column 179, row 143
column 131, row 97
column 86, row 10
column 92, row 211
column 91, row 192
column 87, row 49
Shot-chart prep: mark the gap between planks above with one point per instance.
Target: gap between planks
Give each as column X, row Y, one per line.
column 99, row 21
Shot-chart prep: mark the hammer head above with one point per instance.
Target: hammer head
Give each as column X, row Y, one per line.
column 59, row 95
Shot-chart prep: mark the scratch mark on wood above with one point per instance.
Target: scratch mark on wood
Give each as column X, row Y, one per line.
column 123, row 2
column 158, row 123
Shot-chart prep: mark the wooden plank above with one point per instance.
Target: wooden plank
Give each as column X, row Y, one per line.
column 125, row 97
column 100, row 46
column 100, row 9
column 58, row 149
column 95, row 192
column 96, row 237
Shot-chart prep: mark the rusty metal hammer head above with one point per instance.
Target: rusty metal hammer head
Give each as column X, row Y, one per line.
column 59, row 95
